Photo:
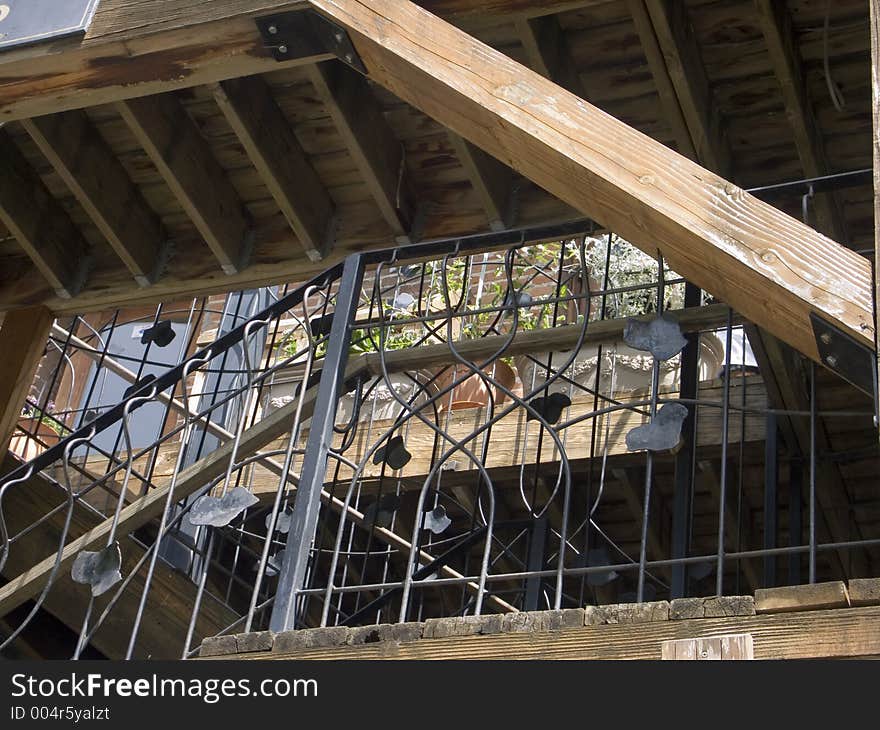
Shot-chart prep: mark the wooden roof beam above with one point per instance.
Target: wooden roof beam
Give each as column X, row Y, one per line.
column 154, row 46
column 39, row 223
column 776, row 25
column 773, row 269
column 681, row 54
column 548, row 53
column 662, row 80
column 100, row 183
column 176, row 147
column 283, row 165
column 492, row 180
column 379, row 155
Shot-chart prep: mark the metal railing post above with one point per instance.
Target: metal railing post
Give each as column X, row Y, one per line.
column 307, row 505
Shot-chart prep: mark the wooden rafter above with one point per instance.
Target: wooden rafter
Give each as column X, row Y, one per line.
column 39, row 223
column 773, row 269
column 548, row 53
column 100, row 183
column 662, row 80
column 175, row 145
column 777, row 28
column 23, row 337
column 492, row 180
column 684, row 66
column 379, row 156
column 154, row 46
column 283, row 165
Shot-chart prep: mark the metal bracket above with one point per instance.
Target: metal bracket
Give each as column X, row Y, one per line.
column 304, row 33
column 846, row 356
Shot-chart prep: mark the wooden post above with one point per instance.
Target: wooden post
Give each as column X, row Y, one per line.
column 875, row 86
column 23, row 338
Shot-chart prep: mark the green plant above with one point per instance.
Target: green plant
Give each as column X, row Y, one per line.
column 629, row 267
column 369, row 339
column 44, row 417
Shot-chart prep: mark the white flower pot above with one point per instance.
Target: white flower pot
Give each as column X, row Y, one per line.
column 631, row 369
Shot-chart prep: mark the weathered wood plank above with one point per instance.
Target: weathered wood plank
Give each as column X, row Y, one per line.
column 101, row 185
column 768, row 266
column 836, row 633
column 39, row 223
column 155, row 46
column 177, row 149
column 283, row 165
column 23, row 337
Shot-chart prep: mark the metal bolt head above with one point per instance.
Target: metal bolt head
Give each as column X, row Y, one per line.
column 273, row 29
column 826, row 338
column 282, row 49
column 338, row 36
column 831, row 361
column 349, row 57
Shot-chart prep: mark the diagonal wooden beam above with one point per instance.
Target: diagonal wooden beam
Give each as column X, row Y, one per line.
column 283, row 165
column 766, row 265
column 378, row 154
column 176, row 147
column 492, row 180
column 39, row 223
column 681, row 54
column 776, row 25
column 548, row 53
column 101, row 185
column 638, row 9
column 23, row 337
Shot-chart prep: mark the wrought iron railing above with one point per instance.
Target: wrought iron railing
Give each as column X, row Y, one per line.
column 438, row 430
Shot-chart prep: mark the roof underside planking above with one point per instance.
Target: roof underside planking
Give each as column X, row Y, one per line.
column 170, row 151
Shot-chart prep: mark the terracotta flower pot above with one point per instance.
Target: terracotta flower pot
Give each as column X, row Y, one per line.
column 473, row 392
column 39, row 438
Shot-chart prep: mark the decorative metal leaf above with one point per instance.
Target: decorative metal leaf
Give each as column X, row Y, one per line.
column 282, row 524
column 550, row 408
column 661, row 337
column 662, row 433
column 138, row 386
column 321, row 325
column 436, row 520
column 380, row 513
column 162, row 334
column 101, row 570
column 521, row 299
column 220, row 511
column 394, row 454
column 403, row 300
